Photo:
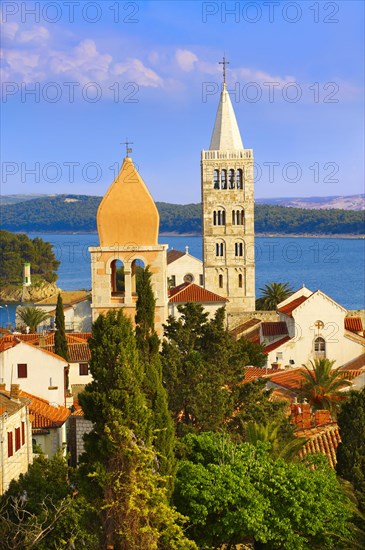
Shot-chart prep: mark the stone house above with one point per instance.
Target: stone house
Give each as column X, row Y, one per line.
column 182, row 267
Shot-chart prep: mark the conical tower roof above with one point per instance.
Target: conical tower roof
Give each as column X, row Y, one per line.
column 226, row 135
column 127, row 215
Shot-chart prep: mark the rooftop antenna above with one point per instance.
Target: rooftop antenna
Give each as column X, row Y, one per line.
column 224, row 63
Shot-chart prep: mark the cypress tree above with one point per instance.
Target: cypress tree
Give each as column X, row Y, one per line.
column 60, row 341
column 118, row 470
column 148, row 345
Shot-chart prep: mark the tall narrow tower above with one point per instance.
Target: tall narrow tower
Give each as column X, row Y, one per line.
column 228, row 211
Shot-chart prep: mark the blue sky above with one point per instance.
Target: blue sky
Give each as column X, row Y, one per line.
column 149, row 70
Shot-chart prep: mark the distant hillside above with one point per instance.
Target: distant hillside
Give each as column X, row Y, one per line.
column 77, row 214
column 349, row 202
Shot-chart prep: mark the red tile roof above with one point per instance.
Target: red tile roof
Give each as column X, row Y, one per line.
column 44, row 414
column 77, row 353
column 173, row 255
column 292, row 379
column 322, row 439
column 354, row 324
column 274, row 328
column 251, row 373
column 355, row 364
column 276, row 344
column 245, row 327
column 291, row 306
column 190, row 292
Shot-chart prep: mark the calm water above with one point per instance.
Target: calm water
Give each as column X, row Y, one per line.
column 336, row 266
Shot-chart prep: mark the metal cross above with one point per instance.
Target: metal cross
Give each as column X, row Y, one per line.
column 224, row 63
column 128, row 149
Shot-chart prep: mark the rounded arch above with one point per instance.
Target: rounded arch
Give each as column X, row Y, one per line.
column 137, row 266
column 319, row 347
column 117, row 276
column 219, row 215
column 220, row 248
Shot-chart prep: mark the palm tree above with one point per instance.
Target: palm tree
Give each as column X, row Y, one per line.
column 272, row 294
column 287, row 448
column 322, row 385
column 32, row 316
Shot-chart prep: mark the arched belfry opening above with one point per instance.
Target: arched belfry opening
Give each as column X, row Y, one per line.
column 128, row 225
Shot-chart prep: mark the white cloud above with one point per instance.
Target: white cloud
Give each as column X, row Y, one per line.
column 36, row 34
column 9, row 30
column 186, row 60
column 136, row 71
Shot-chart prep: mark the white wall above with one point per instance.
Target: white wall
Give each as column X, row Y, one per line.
column 74, row 376
column 43, row 371
column 187, row 264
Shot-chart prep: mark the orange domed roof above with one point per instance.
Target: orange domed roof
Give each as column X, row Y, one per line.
column 127, row 215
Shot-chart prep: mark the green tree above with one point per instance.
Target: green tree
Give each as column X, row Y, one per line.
column 60, row 340
column 119, row 465
column 43, row 510
column 351, row 449
column 32, row 317
column 272, row 294
column 286, row 447
column 235, row 494
column 148, row 345
column 322, row 385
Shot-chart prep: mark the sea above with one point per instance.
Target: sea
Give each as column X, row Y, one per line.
column 333, row 265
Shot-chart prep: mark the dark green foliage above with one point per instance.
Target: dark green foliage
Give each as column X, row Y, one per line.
column 32, row 316
column 203, row 369
column 44, row 505
column 351, row 450
column 54, row 214
column 236, row 493
column 60, row 341
column 272, row 294
column 17, row 249
column 148, row 345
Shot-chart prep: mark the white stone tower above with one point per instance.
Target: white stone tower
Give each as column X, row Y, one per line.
column 228, row 211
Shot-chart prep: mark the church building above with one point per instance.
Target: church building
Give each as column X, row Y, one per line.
column 228, row 211
column 128, row 224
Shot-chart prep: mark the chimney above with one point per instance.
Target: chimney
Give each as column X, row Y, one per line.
column 301, row 415
column 15, row 391
column 322, row 417
column 2, row 386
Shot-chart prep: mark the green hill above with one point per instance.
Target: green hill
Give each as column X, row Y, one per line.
column 77, row 213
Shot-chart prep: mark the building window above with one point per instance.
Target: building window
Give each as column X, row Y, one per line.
column 188, row 278
column 231, row 179
column 17, row 439
column 224, row 179
column 219, row 217
column 220, row 281
column 83, row 369
column 320, row 347
column 238, row 249
column 23, row 433
column 22, row 370
column 240, row 280
column 10, row 444
column 216, row 179
column 219, row 249
column 172, row 281
column 239, row 179
column 201, row 280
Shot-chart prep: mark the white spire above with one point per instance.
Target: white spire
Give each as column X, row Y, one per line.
column 226, row 135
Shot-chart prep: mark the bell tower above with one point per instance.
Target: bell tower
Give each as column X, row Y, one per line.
column 228, row 211
column 128, row 224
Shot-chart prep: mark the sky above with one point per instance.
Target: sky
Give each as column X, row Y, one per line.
column 79, row 78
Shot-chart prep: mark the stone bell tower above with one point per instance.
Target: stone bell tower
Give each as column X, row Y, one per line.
column 228, row 211
column 128, row 224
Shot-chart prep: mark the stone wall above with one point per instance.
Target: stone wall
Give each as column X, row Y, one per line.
column 236, row 319
column 77, row 427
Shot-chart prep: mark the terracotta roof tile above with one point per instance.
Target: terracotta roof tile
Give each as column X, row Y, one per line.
column 173, row 255
column 353, row 324
column 293, row 380
column 44, row 414
column 68, row 297
column 252, row 373
column 276, row 344
column 355, row 364
column 190, row 292
column 274, row 328
column 291, row 306
column 245, row 327
column 322, row 439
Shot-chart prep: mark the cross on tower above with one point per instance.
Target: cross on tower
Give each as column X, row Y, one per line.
column 128, row 149
column 224, row 63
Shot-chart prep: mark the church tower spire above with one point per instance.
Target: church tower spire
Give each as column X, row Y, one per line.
column 228, row 210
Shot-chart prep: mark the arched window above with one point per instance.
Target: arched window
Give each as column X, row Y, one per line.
column 214, row 218
column 238, row 249
column 137, row 268
column 233, row 217
column 117, row 277
column 319, row 347
column 239, row 179
column 216, row 179
column 219, row 217
column 240, row 280
column 220, row 278
column 238, row 217
column 224, row 179
column 231, row 179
